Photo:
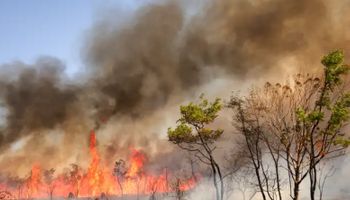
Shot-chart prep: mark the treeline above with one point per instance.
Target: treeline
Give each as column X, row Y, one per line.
column 286, row 133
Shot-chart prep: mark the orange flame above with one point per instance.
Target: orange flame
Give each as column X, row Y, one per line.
column 94, row 174
column 99, row 179
column 136, row 164
column 34, row 181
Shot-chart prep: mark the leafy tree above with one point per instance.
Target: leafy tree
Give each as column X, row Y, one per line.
column 193, row 134
column 324, row 123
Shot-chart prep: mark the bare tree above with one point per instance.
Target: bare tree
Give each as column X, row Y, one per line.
column 249, row 120
column 49, row 181
column 324, row 172
column 75, row 178
column 235, row 164
column 119, row 172
column 18, row 184
column 179, row 194
column 300, row 122
column 244, row 182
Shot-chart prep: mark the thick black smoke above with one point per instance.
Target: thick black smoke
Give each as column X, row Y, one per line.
column 136, row 65
column 162, row 51
column 165, row 51
column 34, row 98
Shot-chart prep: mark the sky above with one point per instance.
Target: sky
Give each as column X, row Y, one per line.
column 34, row 28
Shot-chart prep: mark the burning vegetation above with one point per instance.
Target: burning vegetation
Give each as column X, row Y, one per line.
column 137, row 73
column 125, row 179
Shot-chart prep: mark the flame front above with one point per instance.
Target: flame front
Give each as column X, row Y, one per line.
column 94, row 176
column 98, row 179
column 33, row 182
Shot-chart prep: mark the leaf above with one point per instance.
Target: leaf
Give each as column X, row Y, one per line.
column 197, row 116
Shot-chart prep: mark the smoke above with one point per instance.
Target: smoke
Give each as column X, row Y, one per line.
column 135, row 66
column 138, row 72
column 162, row 50
column 249, row 38
column 41, row 114
column 34, row 100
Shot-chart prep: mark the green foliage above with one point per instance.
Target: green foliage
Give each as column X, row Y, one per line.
column 315, row 116
column 334, row 68
column 338, row 111
column 342, row 142
column 301, row 114
column 202, row 113
column 309, row 118
column 182, row 133
column 333, row 58
column 195, row 116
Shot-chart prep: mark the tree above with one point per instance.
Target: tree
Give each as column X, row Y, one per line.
column 324, row 122
column 301, row 122
column 193, row 134
column 119, row 172
column 260, row 146
column 17, row 183
column 239, row 174
column 324, row 172
column 75, row 178
column 49, row 181
column 176, row 187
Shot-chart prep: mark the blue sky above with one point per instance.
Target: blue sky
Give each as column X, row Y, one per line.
column 31, row 28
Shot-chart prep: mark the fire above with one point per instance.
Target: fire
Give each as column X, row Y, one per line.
column 95, row 173
column 123, row 179
column 34, row 181
column 136, row 164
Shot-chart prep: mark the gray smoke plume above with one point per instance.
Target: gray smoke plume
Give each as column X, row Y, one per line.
column 35, row 99
column 141, row 70
column 161, row 51
column 136, row 65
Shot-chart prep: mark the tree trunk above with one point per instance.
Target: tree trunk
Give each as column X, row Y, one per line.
column 221, row 181
column 296, row 191
column 120, row 187
column 215, row 181
column 313, row 181
column 278, row 181
column 296, row 184
column 260, row 183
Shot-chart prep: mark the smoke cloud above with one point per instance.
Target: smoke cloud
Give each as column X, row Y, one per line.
column 161, row 51
column 35, row 100
column 141, row 70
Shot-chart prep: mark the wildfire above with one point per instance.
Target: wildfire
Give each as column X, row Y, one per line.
column 137, row 161
column 95, row 174
column 34, row 181
column 123, row 179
